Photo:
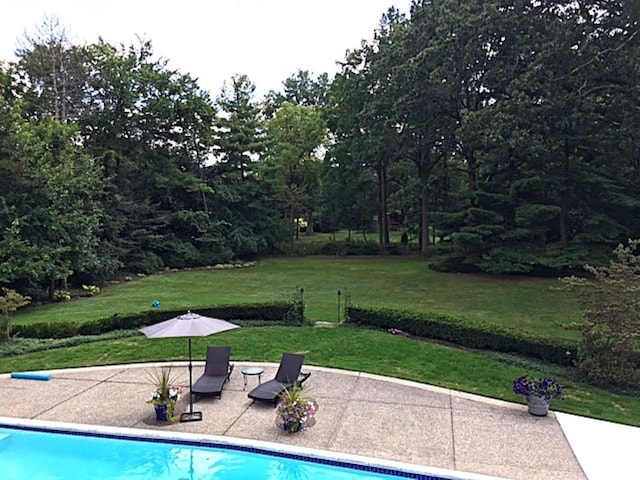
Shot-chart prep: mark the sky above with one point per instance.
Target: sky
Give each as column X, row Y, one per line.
column 268, row 40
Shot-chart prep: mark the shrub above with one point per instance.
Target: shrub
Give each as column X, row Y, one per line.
column 611, row 328
column 90, row 290
column 10, row 301
column 466, row 332
column 20, row 346
column 144, row 262
column 178, row 254
column 275, row 313
column 219, row 254
column 47, row 330
column 361, row 248
column 351, row 247
column 61, row 295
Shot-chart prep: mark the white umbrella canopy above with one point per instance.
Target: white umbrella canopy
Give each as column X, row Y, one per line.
column 188, row 325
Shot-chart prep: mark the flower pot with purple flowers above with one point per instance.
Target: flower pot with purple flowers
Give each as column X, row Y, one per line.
column 539, row 392
column 295, row 410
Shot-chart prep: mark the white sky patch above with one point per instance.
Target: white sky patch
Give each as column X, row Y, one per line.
column 268, row 40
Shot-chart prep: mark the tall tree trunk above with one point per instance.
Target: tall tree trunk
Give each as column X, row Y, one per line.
column 383, row 221
column 564, row 199
column 294, row 222
column 424, row 207
column 472, row 171
column 564, row 239
column 310, row 223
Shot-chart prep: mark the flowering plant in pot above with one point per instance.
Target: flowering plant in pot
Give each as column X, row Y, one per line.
column 166, row 394
column 538, row 391
column 295, row 411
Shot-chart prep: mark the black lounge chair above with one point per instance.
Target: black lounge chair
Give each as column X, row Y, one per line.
column 288, row 375
column 217, row 371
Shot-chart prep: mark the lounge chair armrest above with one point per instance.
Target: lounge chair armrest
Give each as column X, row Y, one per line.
column 230, row 370
column 302, row 377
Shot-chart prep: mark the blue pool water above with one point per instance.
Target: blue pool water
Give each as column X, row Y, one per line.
column 39, row 455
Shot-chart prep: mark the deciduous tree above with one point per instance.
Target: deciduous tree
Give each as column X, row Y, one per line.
column 295, row 134
column 611, row 328
column 10, row 301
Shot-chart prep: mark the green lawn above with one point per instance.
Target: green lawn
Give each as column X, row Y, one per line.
column 399, row 282
column 532, row 304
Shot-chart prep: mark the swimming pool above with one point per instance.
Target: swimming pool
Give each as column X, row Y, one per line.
column 50, row 452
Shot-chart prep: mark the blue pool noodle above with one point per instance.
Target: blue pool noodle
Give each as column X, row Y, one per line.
column 31, row 376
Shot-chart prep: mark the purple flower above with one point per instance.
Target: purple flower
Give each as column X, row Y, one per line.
column 295, row 412
column 539, row 387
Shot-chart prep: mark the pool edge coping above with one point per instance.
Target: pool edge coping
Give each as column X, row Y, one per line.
column 290, row 451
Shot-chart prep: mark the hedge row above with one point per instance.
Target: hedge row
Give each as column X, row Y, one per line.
column 284, row 313
column 355, row 248
column 467, row 333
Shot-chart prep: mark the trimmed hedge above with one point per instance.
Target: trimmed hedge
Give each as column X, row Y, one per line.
column 467, row 333
column 352, row 248
column 282, row 313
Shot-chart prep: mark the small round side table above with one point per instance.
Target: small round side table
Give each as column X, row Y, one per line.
column 250, row 371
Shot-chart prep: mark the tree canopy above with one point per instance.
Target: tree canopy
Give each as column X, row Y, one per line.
column 503, row 135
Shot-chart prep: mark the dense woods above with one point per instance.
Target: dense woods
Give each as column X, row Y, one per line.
column 503, row 135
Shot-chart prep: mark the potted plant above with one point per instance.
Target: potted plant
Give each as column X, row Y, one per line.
column 165, row 395
column 295, row 411
column 539, row 392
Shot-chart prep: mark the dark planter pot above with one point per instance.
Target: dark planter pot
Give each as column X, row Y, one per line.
column 538, row 406
column 292, row 427
column 161, row 412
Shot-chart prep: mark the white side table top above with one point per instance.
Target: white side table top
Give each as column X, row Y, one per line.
column 253, row 371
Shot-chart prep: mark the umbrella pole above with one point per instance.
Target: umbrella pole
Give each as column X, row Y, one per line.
column 190, row 380
column 190, row 416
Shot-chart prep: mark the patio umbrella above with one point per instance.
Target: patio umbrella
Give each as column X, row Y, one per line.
column 188, row 325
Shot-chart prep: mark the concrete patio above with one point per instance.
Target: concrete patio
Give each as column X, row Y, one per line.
column 359, row 414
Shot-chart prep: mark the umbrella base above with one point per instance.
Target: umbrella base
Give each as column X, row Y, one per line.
column 191, row 417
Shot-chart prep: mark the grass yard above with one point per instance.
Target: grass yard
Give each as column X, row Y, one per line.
column 532, row 304
column 398, row 282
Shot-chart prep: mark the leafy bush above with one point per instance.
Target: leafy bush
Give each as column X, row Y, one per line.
column 245, row 242
column 37, row 293
column 451, row 264
column 220, row 254
column 361, row 248
column 10, row 301
column 178, row 254
column 465, row 332
column 295, row 314
column 90, row 290
column 609, row 354
column 275, row 313
column 354, row 248
column 62, row 296
column 20, row 346
column 144, row 262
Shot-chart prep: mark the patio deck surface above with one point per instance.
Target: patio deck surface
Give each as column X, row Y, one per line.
column 359, row 414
